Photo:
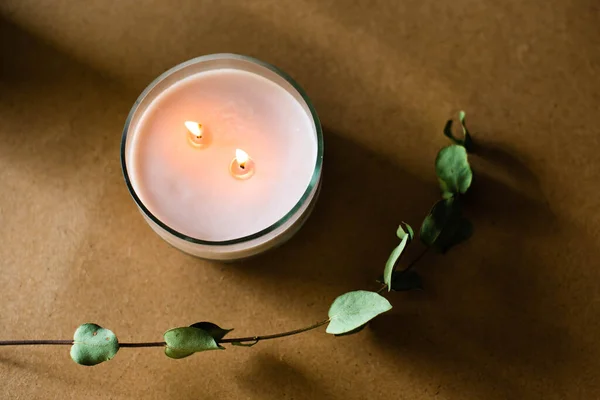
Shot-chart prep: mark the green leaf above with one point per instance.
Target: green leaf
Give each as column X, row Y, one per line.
column 213, row 330
column 410, row 230
column 466, row 141
column 397, row 252
column 445, row 227
column 401, row 233
column 185, row 341
column 353, row 309
column 391, row 262
column 406, row 280
column 453, row 170
column 93, row 344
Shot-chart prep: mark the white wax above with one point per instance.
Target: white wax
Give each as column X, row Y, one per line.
column 191, row 189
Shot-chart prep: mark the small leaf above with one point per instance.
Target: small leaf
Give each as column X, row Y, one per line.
column 410, row 230
column 353, row 309
column 401, row 233
column 185, row 341
column 391, row 262
column 466, row 141
column 406, row 280
column 242, row 344
column 445, row 227
column 93, row 344
column 213, row 330
column 453, row 170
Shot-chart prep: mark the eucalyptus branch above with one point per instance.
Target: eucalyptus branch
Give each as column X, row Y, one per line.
column 443, row 228
column 234, row 341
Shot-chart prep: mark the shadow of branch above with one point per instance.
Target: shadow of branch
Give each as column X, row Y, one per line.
column 486, row 308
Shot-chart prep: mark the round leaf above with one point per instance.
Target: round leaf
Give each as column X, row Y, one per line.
column 93, row 344
column 453, row 169
column 185, row 341
column 354, row 309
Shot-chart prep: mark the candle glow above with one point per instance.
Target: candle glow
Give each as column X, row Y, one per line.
column 242, row 166
column 241, row 157
column 194, row 128
column 196, row 134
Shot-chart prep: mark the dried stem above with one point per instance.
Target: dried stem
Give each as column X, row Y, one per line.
column 274, row 336
column 162, row 344
column 34, row 342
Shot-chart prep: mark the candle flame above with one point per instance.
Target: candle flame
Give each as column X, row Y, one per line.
column 241, row 157
column 194, row 128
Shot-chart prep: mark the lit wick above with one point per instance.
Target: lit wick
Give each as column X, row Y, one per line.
column 196, row 133
column 242, row 166
column 241, row 157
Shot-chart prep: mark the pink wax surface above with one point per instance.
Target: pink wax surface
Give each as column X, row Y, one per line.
column 191, row 190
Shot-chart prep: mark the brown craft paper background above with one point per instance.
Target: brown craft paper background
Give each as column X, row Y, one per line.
column 512, row 314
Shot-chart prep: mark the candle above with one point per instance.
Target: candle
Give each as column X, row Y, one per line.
column 222, row 155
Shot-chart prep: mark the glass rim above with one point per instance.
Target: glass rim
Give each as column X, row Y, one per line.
column 312, row 185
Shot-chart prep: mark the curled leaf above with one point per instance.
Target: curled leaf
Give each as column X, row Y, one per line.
column 453, row 170
column 445, row 227
column 93, row 344
column 401, row 233
column 410, row 230
column 395, row 255
column 213, row 330
column 185, row 341
column 466, row 141
column 354, row 309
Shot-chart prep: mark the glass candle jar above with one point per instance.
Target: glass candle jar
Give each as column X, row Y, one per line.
column 223, row 154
